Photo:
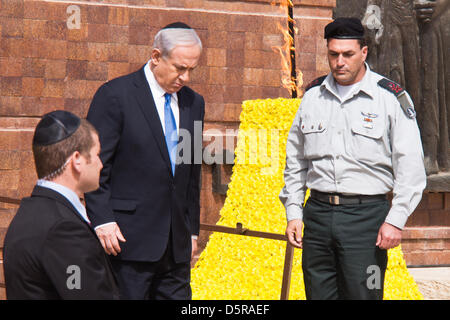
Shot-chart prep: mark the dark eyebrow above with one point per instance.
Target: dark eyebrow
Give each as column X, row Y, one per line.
column 345, row 52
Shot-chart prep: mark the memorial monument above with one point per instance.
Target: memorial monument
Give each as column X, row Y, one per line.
column 409, row 43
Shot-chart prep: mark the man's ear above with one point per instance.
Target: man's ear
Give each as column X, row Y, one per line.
column 365, row 51
column 76, row 161
column 156, row 56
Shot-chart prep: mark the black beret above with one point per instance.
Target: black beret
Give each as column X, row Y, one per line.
column 55, row 127
column 177, row 25
column 344, row 28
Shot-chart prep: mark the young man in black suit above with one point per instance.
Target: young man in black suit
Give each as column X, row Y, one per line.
column 146, row 211
column 50, row 250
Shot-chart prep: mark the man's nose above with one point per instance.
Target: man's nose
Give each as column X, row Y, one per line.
column 185, row 76
column 340, row 60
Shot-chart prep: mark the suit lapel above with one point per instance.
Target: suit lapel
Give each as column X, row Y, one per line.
column 147, row 104
column 184, row 103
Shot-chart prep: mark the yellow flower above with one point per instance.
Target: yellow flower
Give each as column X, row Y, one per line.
column 241, row 268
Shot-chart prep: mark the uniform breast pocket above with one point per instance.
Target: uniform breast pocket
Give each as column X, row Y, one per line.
column 316, row 138
column 367, row 141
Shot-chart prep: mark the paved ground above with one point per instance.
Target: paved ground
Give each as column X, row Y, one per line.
column 433, row 283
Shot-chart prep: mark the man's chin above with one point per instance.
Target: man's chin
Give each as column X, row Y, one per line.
column 91, row 188
column 342, row 79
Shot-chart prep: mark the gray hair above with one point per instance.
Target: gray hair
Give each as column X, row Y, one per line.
column 167, row 39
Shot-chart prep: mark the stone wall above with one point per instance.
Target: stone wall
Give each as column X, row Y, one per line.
column 45, row 65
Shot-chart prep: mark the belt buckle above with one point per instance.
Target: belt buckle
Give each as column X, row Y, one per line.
column 334, row 200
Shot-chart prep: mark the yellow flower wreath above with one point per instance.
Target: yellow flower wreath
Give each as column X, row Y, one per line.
column 241, row 268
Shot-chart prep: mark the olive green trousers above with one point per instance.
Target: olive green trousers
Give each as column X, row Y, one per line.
column 340, row 259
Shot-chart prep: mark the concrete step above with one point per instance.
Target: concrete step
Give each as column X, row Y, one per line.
column 433, row 283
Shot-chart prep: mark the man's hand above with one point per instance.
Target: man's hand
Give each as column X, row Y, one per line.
column 194, row 247
column 294, row 232
column 109, row 237
column 388, row 236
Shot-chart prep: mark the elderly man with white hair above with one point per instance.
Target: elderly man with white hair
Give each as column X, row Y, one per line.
column 146, row 211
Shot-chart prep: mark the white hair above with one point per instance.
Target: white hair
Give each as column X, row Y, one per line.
column 167, row 39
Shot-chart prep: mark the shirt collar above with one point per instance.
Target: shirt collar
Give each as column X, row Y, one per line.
column 365, row 84
column 68, row 194
column 157, row 90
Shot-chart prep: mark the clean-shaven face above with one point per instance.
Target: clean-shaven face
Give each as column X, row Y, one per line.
column 346, row 59
column 91, row 167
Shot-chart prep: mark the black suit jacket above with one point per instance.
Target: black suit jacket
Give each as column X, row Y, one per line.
column 137, row 188
column 45, row 238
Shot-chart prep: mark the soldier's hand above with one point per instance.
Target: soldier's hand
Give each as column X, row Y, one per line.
column 109, row 237
column 294, row 232
column 388, row 236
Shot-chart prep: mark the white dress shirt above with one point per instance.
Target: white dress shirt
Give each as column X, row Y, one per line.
column 158, row 96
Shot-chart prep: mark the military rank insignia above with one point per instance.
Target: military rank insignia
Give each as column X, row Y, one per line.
column 401, row 95
column 368, row 119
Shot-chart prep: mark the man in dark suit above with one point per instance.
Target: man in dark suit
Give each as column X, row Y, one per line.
column 50, row 250
column 146, row 211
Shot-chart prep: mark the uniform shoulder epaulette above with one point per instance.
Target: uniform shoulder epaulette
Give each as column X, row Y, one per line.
column 315, row 83
column 400, row 93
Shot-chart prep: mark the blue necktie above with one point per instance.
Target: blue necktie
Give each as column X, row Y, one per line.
column 171, row 131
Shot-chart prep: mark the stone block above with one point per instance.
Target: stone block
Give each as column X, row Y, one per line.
column 11, row 66
column 253, row 76
column 254, row 59
column 141, row 35
column 12, row 8
column 12, row 27
column 32, row 87
column 235, row 58
column 9, row 160
column 83, row 51
column 97, row 14
column 53, row 88
column 98, row 33
column 216, row 57
column 11, row 86
column 12, row 47
column 76, row 69
column 56, row 69
column 117, row 69
column 118, row 16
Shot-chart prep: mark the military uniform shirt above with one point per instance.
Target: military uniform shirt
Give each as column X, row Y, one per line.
column 363, row 145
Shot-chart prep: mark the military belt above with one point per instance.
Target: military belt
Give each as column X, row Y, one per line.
column 341, row 199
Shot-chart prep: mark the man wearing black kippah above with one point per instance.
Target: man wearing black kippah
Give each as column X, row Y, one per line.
column 354, row 139
column 147, row 210
column 50, row 249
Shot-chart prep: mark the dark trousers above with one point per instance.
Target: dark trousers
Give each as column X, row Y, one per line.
column 340, row 259
column 160, row 280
